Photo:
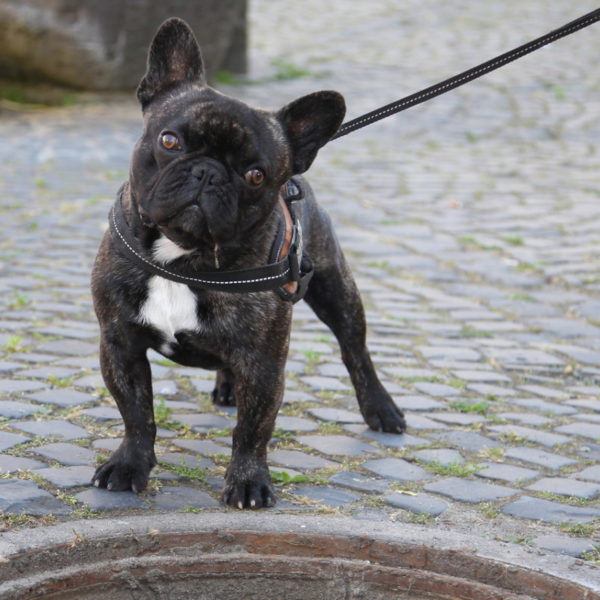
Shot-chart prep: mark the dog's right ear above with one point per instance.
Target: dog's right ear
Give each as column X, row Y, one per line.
column 174, row 58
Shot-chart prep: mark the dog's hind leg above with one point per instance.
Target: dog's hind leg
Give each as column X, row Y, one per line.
column 224, row 394
column 334, row 297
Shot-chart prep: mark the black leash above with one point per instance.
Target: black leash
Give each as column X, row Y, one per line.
column 466, row 76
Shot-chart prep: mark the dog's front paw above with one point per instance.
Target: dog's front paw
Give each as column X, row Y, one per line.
column 126, row 469
column 381, row 414
column 248, row 485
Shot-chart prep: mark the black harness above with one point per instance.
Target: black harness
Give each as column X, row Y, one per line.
column 288, row 272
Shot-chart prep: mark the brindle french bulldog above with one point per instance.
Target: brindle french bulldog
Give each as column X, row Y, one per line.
column 204, row 196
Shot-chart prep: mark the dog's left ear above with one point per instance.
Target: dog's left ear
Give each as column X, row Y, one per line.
column 174, row 58
column 309, row 123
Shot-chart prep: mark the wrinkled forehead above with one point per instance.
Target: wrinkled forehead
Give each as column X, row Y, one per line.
column 222, row 120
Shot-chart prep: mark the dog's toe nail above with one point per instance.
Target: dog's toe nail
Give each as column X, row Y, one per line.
column 109, row 486
column 96, row 483
column 240, row 504
column 252, row 503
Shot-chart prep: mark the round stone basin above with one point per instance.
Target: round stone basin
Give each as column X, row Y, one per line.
column 274, row 556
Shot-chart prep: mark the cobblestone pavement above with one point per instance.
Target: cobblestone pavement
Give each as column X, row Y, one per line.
column 472, row 224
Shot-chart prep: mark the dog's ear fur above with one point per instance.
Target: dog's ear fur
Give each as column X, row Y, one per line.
column 309, row 123
column 174, row 58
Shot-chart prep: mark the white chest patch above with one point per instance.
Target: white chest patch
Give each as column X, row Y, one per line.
column 170, row 306
column 165, row 251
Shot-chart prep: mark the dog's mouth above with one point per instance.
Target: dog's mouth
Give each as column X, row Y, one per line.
column 187, row 227
column 193, row 202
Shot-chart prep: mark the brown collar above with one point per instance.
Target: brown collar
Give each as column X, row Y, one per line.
column 292, row 286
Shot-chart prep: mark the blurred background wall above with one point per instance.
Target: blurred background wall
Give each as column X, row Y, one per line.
column 102, row 45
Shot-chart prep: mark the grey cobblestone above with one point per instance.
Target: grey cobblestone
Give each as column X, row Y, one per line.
column 177, row 459
column 510, row 473
column 327, row 496
column 17, row 410
column 587, row 430
column 177, row 497
column 422, row 422
column 317, row 384
column 102, row 413
column 47, row 372
column 418, row 503
column 359, row 482
column 336, row 415
column 467, row 490
column 471, row 224
column 52, row 428
column 453, row 418
column 61, row 397
column 544, row 406
column 25, row 497
column 299, row 460
column 469, row 440
column 554, row 512
column 9, row 440
column 66, row 454
column 15, row 386
column 589, row 474
column 334, row 445
column 67, row 477
column 412, row 403
column 545, row 438
column 398, row 469
column 389, row 440
column 295, row 424
column 205, row 447
column 442, row 456
column 204, row 421
column 539, row 457
column 566, row 487
column 98, row 499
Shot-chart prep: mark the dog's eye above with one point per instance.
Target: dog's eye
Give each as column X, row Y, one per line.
column 169, row 141
column 254, row 176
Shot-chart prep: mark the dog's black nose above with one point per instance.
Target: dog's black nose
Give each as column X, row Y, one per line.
column 208, row 176
column 210, row 172
column 199, row 172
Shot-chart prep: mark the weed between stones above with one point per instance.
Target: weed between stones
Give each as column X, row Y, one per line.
column 454, row 469
column 183, row 470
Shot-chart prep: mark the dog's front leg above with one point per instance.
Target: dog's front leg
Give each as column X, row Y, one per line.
column 258, row 391
column 127, row 375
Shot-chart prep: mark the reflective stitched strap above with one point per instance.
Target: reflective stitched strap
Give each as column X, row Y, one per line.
column 257, row 279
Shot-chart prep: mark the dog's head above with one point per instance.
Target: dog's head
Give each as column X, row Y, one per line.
column 208, row 167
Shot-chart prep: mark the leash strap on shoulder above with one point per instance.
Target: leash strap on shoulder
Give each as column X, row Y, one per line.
column 466, row 76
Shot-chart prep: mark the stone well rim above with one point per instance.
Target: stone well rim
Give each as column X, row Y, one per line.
column 79, row 544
